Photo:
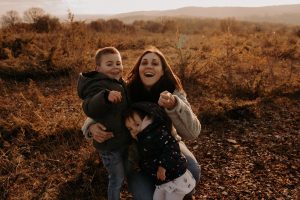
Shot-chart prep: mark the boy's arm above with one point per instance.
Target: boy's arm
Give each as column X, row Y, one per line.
column 97, row 105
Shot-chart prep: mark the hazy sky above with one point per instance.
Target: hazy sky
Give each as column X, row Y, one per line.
column 58, row 7
column 119, row 6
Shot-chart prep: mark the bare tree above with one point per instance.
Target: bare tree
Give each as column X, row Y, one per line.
column 33, row 14
column 11, row 18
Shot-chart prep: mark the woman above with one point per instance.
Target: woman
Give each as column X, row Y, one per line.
column 152, row 79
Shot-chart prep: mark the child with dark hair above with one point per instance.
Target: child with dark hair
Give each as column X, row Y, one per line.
column 159, row 152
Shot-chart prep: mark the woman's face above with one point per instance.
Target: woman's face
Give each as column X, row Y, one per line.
column 150, row 70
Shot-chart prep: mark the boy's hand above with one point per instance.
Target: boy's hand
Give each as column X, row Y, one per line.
column 161, row 173
column 114, row 96
column 167, row 100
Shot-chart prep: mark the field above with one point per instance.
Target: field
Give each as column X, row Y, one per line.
column 242, row 80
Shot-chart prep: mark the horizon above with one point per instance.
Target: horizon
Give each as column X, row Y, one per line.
column 94, row 7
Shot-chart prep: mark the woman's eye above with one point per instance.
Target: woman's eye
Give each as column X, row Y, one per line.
column 144, row 63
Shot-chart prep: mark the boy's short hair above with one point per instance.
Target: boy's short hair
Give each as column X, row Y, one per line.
column 104, row 51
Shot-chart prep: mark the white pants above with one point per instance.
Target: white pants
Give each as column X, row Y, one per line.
column 176, row 189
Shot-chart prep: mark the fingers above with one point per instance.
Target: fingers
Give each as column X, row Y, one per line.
column 100, row 126
column 102, row 137
column 99, row 133
column 161, row 173
column 115, row 96
column 167, row 100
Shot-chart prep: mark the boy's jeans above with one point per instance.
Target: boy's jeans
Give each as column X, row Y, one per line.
column 114, row 164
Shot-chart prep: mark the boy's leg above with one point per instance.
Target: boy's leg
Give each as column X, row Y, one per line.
column 140, row 185
column 113, row 162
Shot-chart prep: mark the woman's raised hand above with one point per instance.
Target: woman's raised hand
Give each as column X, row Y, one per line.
column 167, row 100
column 99, row 132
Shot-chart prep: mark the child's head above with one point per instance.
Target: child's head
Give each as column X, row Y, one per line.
column 109, row 62
column 133, row 121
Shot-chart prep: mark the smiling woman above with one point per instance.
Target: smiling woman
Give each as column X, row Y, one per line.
column 150, row 69
column 153, row 80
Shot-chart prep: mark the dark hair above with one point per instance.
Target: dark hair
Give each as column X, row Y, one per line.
column 169, row 81
column 129, row 112
column 153, row 110
column 104, row 51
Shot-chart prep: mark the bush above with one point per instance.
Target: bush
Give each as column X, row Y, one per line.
column 46, row 24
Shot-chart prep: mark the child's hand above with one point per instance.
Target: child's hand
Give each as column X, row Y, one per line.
column 161, row 173
column 146, row 121
column 114, row 96
column 167, row 100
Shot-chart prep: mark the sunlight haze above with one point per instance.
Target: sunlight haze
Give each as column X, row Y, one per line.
column 60, row 7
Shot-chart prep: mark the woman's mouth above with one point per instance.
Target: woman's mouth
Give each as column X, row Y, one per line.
column 148, row 74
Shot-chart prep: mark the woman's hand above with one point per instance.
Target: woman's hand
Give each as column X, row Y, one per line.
column 167, row 100
column 99, row 132
column 161, row 173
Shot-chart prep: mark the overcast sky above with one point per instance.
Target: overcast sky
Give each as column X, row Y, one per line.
column 59, row 7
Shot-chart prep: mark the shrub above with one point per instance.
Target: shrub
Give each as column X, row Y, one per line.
column 46, row 24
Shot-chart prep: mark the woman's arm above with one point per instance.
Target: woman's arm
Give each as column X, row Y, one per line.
column 95, row 130
column 184, row 119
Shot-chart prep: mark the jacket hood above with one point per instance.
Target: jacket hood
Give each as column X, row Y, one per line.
column 89, row 82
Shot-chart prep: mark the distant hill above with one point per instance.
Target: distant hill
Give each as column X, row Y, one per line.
column 288, row 14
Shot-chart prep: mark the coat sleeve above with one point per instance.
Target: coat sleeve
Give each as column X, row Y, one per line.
column 170, row 147
column 97, row 105
column 184, row 119
column 85, row 127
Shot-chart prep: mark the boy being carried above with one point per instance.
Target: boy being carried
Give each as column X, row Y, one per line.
column 104, row 99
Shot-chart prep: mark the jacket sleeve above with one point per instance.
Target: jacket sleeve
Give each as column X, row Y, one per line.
column 97, row 105
column 170, row 147
column 85, row 127
column 184, row 119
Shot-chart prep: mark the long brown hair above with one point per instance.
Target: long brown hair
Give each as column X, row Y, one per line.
column 169, row 81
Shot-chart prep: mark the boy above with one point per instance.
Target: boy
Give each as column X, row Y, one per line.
column 160, row 155
column 104, row 98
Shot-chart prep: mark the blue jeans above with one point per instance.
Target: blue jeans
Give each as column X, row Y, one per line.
column 142, row 186
column 113, row 161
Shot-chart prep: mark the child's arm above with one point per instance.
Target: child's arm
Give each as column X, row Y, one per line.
column 170, row 150
column 100, row 103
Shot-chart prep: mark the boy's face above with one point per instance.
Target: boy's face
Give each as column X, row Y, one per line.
column 111, row 65
column 133, row 124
